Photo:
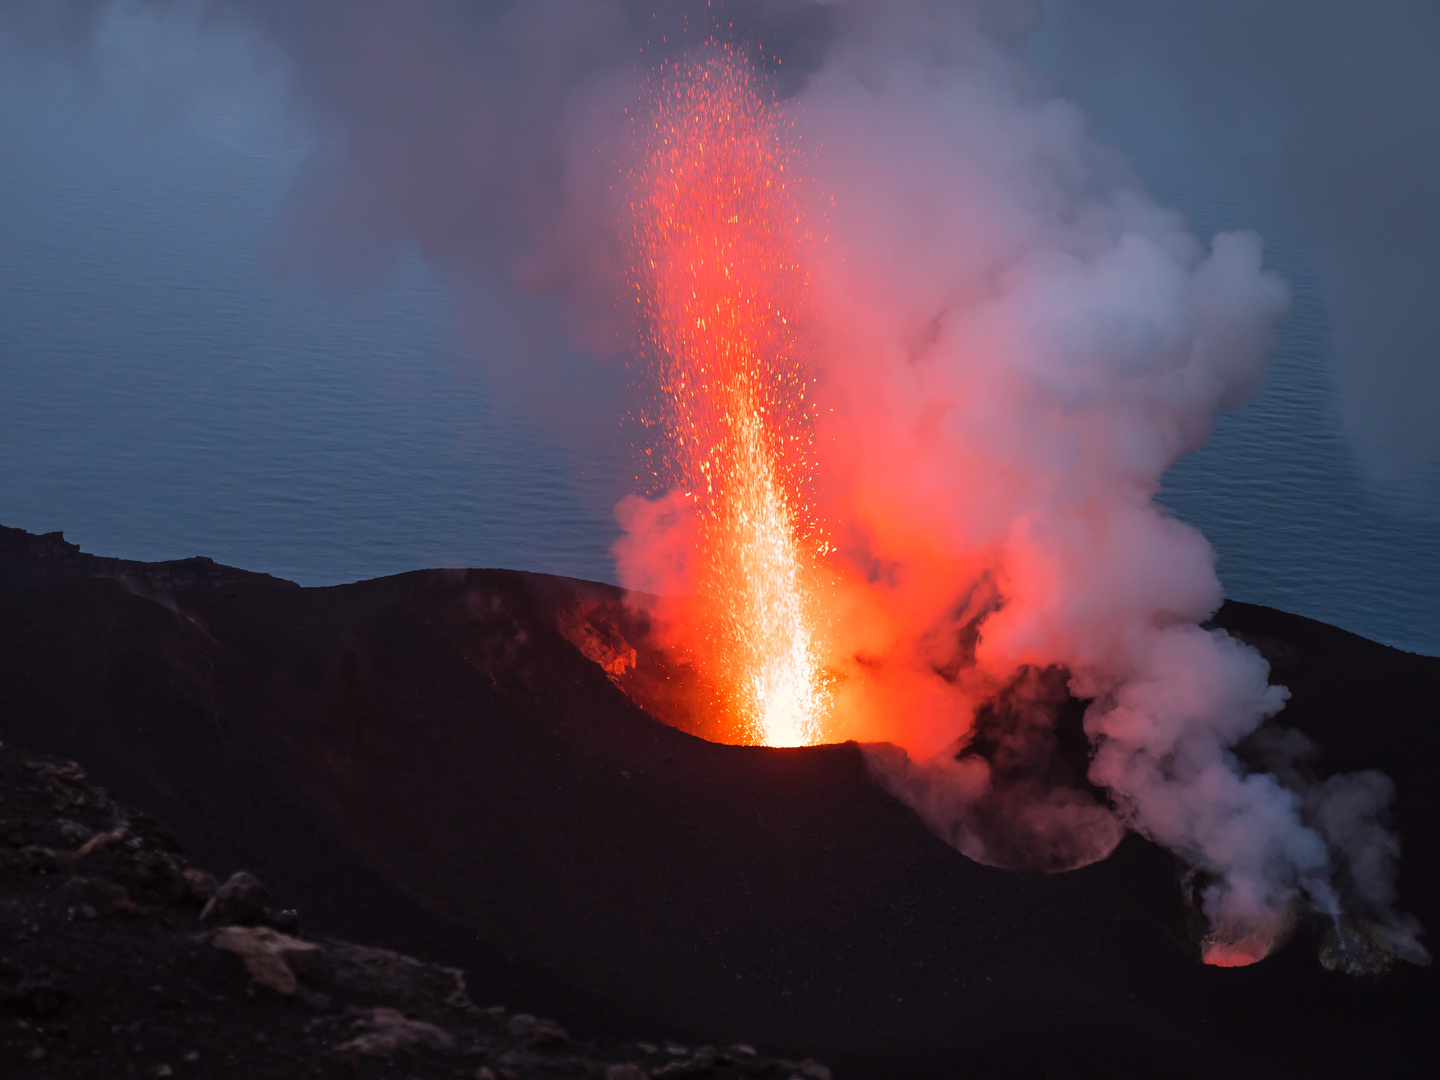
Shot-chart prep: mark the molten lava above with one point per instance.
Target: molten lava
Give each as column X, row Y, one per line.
column 1229, row 951
column 722, row 287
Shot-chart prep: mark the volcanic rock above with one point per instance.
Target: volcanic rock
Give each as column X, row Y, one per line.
column 430, row 763
column 100, row 841
column 155, row 994
column 242, row 900
column 271, row 958
column 387, row 1031
column 537, row 1032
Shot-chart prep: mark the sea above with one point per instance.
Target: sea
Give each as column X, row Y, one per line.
column 170, row 387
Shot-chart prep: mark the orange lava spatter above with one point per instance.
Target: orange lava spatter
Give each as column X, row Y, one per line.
column 721, row 285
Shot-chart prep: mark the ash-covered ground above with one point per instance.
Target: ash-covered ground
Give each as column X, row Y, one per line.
column 435, row 763
column 120, row 959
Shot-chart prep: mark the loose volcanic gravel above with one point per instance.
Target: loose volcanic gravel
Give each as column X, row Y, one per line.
column 119, row 959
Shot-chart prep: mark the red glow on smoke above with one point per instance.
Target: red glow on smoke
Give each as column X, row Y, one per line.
column 907, row 475
column 1242, row 952
column 794, row 644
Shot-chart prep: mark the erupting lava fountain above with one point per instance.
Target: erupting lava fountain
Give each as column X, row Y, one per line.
column 721, row 286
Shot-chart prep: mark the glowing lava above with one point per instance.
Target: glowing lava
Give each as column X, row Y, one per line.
column 721, row 287
column 1221, row 951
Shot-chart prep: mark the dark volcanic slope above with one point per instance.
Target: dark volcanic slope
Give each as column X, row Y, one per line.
column 118, row 959
column 424, row 762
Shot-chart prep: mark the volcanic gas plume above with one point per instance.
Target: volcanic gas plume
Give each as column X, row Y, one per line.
column 908, row 471
column 913, row 394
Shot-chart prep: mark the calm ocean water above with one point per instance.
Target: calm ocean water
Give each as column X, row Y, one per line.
column 163, row 393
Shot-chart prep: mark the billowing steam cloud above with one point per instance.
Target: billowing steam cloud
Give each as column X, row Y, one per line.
column 1019, row 344
column 1344, row 99
column 1013, row 344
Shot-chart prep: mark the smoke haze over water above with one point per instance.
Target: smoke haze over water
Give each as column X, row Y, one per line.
column 1330, row 112
column 1017, row 343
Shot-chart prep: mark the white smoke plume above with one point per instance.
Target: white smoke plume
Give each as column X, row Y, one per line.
column 1015, row 343
column 1338, row 107
column 1018, row 344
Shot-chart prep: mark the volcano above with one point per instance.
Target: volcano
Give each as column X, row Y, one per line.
column 452, row 763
